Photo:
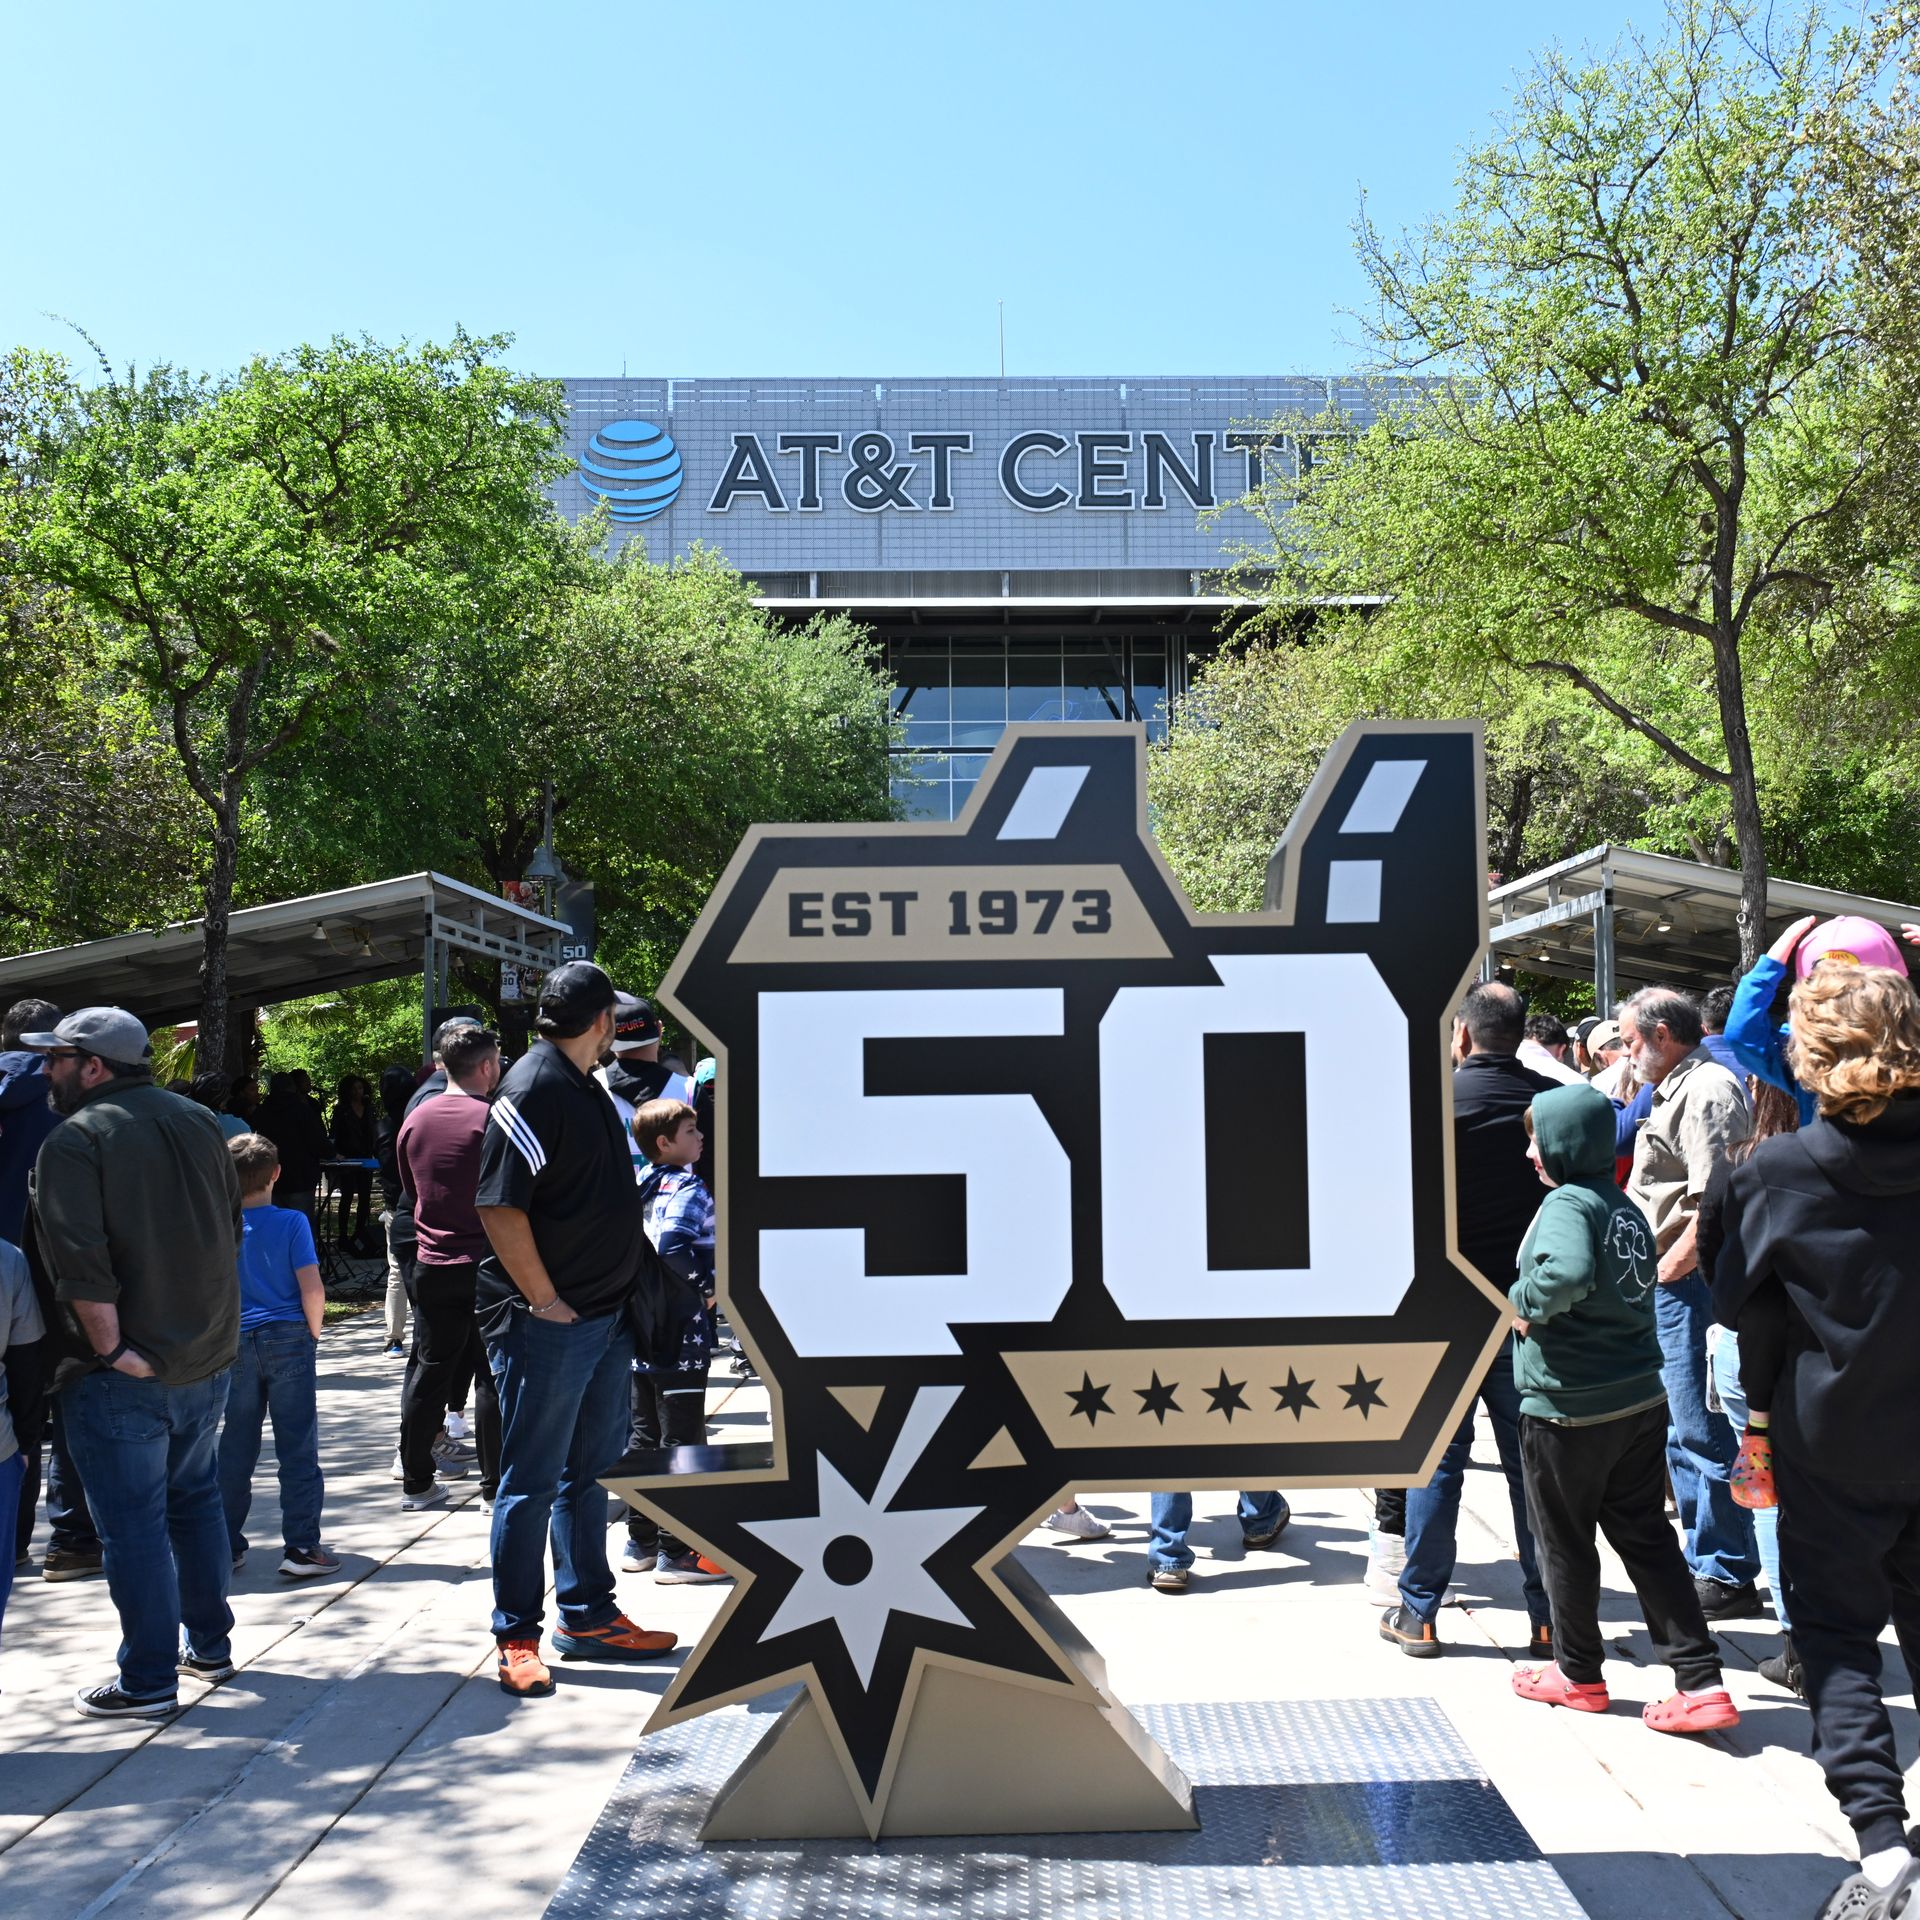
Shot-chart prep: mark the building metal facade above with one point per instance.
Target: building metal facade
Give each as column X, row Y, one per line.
column 1024, row 549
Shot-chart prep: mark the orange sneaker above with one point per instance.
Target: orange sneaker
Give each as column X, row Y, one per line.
column 1750, row 1479
column 619, row 1639
column 522, row 1671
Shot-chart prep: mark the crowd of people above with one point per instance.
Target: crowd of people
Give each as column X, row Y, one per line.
column 1716, row 1299
column 1706, row 1218
column 550, row 1235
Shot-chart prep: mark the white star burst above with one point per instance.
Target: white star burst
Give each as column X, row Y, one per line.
column 900, row 1545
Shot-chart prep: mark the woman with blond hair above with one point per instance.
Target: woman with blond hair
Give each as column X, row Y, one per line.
column 1829, row 1217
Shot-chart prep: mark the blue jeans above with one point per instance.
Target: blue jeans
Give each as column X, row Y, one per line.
column 563, row 1423
column 1173, row 1516
column 146, row 1451
column 1700, row 1445
column 274, row 1375
column 12, row 1473
column 69, row 1519
column 1766, row 1520
column 1433, row 1511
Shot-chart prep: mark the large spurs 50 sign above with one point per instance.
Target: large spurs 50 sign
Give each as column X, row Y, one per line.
column 1034, row 1180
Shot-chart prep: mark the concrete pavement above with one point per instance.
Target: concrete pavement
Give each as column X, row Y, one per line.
column 364, row 1759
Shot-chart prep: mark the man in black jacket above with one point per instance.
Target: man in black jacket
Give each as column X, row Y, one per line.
column 1496, row 1194
column 632, row 1072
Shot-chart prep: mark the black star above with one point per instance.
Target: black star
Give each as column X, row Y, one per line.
column 1363, row 1393
column 1225, row 1397
column 1297, row 1393
column 1089, row 1399
column 1158, row 1400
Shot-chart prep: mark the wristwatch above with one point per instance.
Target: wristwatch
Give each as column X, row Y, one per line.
column 109, row 1359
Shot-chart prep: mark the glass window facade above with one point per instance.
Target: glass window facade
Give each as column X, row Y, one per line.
column 956, row 694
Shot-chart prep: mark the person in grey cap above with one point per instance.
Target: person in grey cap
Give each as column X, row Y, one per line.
column 135, row 1209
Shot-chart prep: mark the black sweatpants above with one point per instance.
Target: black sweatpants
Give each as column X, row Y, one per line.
column 1390, row 1510
column 669, row 1410
column 1612, row 1476
column 1850, row 1557
column 446, row 1346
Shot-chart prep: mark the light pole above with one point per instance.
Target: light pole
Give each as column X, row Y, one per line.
column 543, row 866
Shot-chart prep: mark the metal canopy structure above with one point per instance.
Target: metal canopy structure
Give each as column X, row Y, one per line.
column 1625, row 919
column 413, row 923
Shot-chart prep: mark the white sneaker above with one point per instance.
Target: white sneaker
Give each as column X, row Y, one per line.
column 433, row 1496
column 399, row 1472
column 1078, row 1523
column 1386, row 1561
column 457, row 1428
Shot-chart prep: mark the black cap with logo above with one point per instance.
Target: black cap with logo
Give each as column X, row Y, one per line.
column 635, row 1022
column 572, row 998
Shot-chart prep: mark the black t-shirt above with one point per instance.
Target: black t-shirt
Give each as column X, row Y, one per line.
column 554, row 1149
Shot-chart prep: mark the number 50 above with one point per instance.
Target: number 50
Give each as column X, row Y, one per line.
column 816, row 1121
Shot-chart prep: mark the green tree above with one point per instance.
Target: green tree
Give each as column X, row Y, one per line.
column 262, row 548
column 669, row 712
column 96, row 825
column 1638, row 450
column 1245, row 743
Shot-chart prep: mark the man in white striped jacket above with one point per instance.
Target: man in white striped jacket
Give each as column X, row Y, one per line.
column 562, row 1217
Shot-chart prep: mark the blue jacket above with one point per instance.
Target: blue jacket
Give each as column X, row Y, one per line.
column 1757, row 1044
column 25, row 1120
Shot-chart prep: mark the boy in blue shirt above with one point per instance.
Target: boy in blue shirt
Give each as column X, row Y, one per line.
column 282, row 1310
column 670, row 1395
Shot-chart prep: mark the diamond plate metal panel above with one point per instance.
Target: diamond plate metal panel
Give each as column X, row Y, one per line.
column 1335, row 1809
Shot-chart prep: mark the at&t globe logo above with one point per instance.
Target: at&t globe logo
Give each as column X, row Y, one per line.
column 634, row 467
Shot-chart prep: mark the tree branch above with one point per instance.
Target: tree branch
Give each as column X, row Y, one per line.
column 1628, row 718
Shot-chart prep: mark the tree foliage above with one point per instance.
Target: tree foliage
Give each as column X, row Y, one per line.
column 257, row 550
column 1248, row 739
column 317, row 623
column 1636, row 446
column 668, row 710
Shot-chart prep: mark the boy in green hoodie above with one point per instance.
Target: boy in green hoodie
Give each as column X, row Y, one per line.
column 1593, row 1422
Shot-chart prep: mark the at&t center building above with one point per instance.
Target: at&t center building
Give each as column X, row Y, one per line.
column 1023, row 549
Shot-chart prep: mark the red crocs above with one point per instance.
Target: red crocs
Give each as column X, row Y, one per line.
column 1548, row 1683
column 1750, row 1479
column 1701, row 1712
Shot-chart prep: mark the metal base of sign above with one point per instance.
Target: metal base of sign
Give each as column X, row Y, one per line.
column 1350, row 1809
column 982, row 1754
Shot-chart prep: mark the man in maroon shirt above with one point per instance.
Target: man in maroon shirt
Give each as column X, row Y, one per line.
column 437, row 1153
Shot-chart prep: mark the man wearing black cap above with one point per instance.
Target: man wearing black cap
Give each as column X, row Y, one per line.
column 633, row 1074
column 561, row 1212
column 135, row 1210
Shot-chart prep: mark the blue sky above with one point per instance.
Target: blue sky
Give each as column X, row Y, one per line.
column 741, row 189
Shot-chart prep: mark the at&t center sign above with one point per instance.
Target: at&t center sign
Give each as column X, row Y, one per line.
column 1023, row 550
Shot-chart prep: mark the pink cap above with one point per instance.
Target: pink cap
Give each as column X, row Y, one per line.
column 1848, row 938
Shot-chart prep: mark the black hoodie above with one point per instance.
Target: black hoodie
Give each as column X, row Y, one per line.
column 1832, row 1213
